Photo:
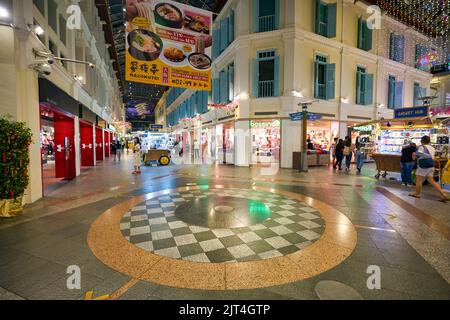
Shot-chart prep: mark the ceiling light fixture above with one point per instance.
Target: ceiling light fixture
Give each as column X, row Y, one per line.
column 4, row 13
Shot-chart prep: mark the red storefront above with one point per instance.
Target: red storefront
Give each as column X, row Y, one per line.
column 87, row 143
column 57, row 146
column 99, row 143
column 106, row 140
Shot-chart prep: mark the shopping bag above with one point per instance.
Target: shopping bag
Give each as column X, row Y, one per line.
column 446, row 173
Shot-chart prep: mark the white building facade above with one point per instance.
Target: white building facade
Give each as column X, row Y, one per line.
column 270, row 55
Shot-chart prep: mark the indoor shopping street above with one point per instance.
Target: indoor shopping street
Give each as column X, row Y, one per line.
column 103, row 231
column 239, row 159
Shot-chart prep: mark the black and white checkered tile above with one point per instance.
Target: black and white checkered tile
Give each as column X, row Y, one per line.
column 153, row 226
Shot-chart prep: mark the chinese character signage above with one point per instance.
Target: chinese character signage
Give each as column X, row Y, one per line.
column 169, row 44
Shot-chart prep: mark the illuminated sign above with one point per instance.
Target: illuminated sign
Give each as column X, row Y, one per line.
column 417, row 112
column 264, row 124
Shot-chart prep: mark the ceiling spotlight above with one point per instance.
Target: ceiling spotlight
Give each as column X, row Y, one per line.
column 4, row 13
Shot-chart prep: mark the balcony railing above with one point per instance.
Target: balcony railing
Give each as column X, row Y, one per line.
column 265, row 89
column 267, row 23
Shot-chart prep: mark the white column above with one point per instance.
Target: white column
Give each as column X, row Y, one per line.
column 290, row 141
column 342, row 130
column 28, row 112
column 77, row 146
column 242, row 143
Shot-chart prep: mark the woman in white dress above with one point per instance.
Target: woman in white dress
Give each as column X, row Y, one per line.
column 137, row 156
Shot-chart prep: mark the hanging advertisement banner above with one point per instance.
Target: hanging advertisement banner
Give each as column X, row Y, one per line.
column 168, row 43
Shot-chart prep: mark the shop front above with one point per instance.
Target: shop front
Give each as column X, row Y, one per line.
column 320, row 137
column 106, row 141
column 383, row 140
column 87, row 143
column 99, row 144
column 224, row 143
column 57, row 136
column 265, row 141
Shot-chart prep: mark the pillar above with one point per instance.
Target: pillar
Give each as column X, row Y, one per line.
column 242, row 143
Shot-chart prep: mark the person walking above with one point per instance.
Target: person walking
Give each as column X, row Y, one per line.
column 359, row 156
column 348, row 153
column 118, row 147
column 113, row 150
column 137, row 156
column 339, row 153
column 425, row 168
column 407, row 163
column 196, row 150
column 333, row 152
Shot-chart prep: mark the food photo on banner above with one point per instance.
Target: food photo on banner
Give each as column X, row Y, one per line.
column 168, row 43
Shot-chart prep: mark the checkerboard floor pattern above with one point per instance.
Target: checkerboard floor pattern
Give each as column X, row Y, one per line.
column 153, row 226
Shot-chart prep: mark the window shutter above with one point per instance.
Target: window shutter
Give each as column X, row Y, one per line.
column 329, row 78
column 398, row 98
column 360, row 33
column 216, row 43
column 317, row 21
column 416, row 95
column 231, row 27
column 401, row 47
column 193, row 105
column 331, row 20
column 368, row 93
column 216, row 90
column 223, row 34
column 276, row 77
column 231, row 82
column 358, row 87
column 277, row 14
column 316, row 79
column 205, row 101
column 367, row 37
column 391, row 93
column 223, row 87
column 255, row 4
column 391, row 46
column 255, row 78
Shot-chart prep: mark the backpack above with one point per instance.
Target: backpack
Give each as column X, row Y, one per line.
column 426, row 162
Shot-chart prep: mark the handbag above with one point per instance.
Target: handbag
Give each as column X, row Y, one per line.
column 427, row 162
column 347, row 151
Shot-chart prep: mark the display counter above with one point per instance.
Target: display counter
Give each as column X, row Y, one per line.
column 314, row 159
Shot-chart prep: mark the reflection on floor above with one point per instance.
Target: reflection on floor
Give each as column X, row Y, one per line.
column 51, row 235
column 51, row 183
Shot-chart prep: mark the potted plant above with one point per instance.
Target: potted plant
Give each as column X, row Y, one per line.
column 15, row 139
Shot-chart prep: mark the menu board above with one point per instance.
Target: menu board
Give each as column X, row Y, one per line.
column 169, row 44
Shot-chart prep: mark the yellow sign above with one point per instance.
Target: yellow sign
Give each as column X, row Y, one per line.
column 169, row 44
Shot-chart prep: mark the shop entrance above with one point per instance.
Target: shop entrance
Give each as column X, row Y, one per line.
column 107, row 143
column 225, row 143
column 99, row 144
column 57, row 148
column 266, row 137
column 87, row 143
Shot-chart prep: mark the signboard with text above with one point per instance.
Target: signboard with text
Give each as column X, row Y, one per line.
column 298, row 116
column 169, row 44
column 405, row 113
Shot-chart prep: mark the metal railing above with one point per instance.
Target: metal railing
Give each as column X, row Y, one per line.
column 265, row 89
column 267, row 23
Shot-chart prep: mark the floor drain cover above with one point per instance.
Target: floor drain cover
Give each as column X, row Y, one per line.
column 333, row 290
